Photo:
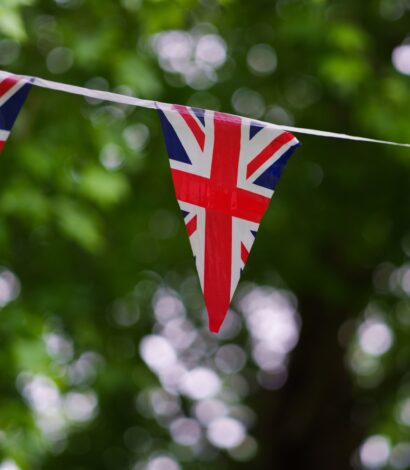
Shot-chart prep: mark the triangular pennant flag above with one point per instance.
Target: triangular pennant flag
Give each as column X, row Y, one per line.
column 225, row 169
column 13, row 93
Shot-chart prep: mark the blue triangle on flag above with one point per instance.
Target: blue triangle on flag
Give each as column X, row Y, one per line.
column 11, row 108
column 175, row 149
column 254, row 129
column 269, row 178
column 200, row 114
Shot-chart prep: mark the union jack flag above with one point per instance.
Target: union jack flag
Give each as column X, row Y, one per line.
column 225, row 169
column 13, row 93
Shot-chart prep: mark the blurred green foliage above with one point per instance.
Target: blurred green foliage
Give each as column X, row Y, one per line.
column 90, row 231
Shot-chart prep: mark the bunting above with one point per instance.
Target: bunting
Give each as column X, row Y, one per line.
column 13, row 93
column 225, row 169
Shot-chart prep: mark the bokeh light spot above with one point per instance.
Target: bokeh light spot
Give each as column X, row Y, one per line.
column 211, row 49
column 208, row 410
column 375, row 452
column 59, row 60
column 80, row 407
column 400, row 456
column 185, row 431
column 248, row 103
column 230, row 358
column 262, row 59
column 200, row 383
column 9, row 287
column 9, row 465
column 401, row 59
column 375, row 336
column 136, row 136
column 226, row 433
column 162, row 462
column 157, row 352
column 9, row 51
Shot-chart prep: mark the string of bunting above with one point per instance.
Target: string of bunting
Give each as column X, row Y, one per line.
column 224, row 167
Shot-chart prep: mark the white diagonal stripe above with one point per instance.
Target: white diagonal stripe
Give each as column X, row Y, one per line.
column 9, row 93
column 4, row 135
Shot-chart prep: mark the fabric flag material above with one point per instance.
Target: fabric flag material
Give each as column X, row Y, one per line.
column 13, row 93
column 225, row 169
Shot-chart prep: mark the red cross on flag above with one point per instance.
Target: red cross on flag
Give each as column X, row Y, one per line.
column 225, row 169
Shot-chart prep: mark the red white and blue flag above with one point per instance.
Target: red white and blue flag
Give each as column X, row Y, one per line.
column 225, row 169
column 13, row 93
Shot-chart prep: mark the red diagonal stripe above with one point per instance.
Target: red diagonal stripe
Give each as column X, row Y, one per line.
column 191, row 226
column 267, row 152
column 192, row 124
column 244, row 253
column 2, row 142
column 6, row 84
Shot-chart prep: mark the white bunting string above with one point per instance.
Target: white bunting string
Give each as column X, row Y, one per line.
column 132, row 101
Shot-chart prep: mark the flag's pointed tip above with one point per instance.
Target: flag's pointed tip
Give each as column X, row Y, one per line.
column 216, row 318
column 215, row 325
column 213, row 328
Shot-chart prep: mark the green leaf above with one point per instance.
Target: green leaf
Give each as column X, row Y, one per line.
column 103, row 187
column 11, row 24
column 139, row 74
column 79, row 224
column 348, row 37
column 346, row 73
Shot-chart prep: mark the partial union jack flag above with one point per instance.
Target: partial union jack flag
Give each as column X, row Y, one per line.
column 13, row 93
column 225, row 169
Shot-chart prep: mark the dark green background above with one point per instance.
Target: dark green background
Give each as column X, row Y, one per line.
column 86, row 241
